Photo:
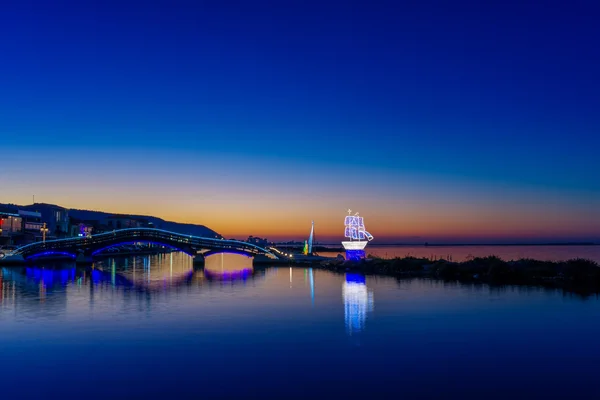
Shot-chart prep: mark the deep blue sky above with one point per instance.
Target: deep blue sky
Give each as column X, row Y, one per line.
column 475, row 93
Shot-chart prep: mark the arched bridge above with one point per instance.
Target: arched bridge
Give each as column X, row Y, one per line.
column 90, row 246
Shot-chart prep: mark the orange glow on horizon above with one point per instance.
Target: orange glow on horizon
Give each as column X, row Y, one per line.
column 285, row 213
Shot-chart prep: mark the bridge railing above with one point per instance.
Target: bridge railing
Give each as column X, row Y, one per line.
column 141, row 234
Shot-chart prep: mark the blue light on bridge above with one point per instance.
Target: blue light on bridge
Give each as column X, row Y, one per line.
column 52, row 253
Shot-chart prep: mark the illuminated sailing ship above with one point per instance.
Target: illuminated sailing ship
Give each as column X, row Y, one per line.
column 355, row 231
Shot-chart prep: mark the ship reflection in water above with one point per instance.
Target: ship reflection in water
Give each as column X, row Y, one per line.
column 162, row 274
column 358, row 301
column 163, row 334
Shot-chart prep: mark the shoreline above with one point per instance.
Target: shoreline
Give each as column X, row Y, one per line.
column 371, row 245
column 580, row 276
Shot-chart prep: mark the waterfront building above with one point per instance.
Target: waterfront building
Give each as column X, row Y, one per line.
column 55, row 217
column 117, row 221
column 32, row 225
column 11, row 225
column 32, row 220
column 257, row 241
column 81, row 229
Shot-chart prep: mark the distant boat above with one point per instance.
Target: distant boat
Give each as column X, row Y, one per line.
column 355, row 231
column 308, row 244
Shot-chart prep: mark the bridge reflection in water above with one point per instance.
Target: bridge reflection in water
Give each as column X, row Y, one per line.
column 150, row 273
column 164, row 271
column 163, row 275
column 228, row 267
column 157, row 272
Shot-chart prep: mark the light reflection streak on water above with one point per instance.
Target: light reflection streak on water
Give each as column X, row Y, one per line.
column 312, row 286
column 243, row 334
column 7, row 289
column 164, row 275
column 358, row 301
column 156, row 273
column 113, row 272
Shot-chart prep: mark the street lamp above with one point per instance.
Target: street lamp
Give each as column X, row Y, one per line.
column 44, row 230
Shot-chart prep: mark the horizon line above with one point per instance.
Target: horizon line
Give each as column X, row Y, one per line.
column 577, row 243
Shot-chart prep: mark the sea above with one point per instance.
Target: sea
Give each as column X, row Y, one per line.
column 152, row 327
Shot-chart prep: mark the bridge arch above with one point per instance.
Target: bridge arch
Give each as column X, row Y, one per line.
column 228, row 251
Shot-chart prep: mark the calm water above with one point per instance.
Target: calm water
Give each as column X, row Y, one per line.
column 153, row 327
column 461, row 253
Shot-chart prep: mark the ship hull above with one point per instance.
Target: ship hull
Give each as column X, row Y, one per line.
column 355, row 245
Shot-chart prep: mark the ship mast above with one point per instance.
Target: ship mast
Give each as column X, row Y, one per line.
column 311, row 238
column 349, row 225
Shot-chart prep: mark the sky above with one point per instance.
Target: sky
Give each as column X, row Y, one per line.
column 437, row 121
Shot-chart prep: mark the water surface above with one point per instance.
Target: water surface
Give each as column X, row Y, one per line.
column 155, row 327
